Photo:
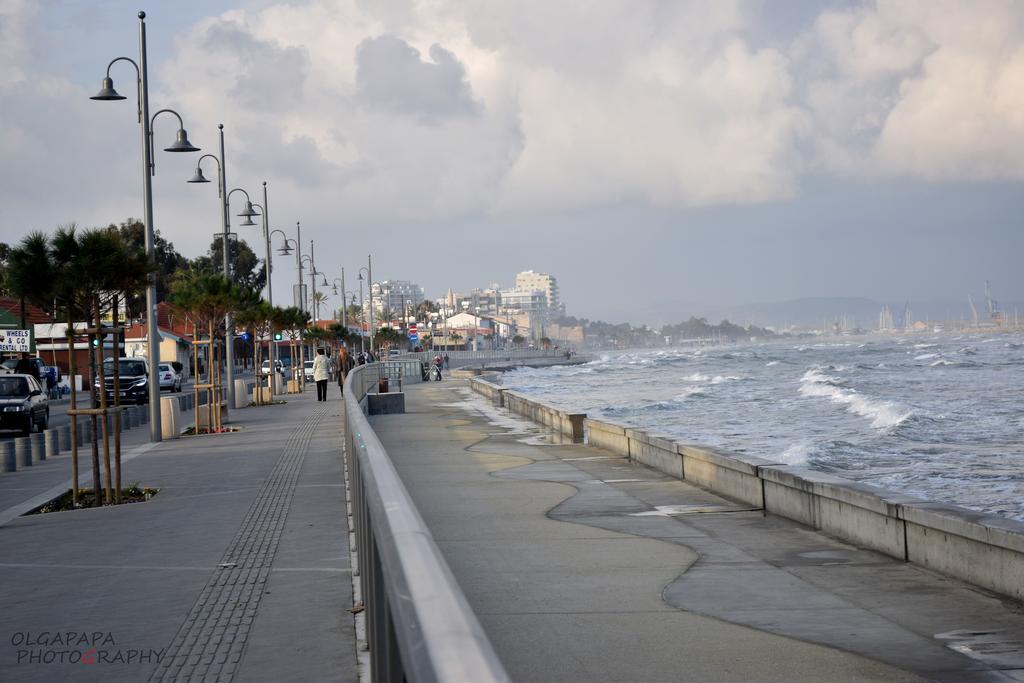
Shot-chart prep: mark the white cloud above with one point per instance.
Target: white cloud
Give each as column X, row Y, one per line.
column 433, row 109
column 930, row 90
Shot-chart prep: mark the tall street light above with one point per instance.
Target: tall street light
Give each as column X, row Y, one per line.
column 287, row 245
column 181, row 144
column 225, row 235
column 344, row 313
column 362, row 310
column 369, row 287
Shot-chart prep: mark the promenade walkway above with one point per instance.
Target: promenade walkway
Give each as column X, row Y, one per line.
column 583, row 566
column 237, row 570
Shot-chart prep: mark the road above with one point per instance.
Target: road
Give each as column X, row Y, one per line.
column 59, row 415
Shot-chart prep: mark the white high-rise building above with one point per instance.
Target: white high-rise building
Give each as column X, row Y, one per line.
column 532, row 281
column 393, row 295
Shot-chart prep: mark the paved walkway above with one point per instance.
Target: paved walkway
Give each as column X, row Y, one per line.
column 583, row 566
column 238, row 568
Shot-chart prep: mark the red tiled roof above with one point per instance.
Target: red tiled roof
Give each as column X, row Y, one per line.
column 33, row 314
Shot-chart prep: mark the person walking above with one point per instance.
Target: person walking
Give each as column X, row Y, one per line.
column 344, row 367
column 321, row 374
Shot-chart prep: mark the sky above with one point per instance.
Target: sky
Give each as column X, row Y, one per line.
column 659, row 157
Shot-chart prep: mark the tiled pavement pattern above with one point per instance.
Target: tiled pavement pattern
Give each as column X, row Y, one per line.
column 210, row 644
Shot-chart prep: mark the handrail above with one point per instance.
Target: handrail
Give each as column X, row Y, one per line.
column 420, row 626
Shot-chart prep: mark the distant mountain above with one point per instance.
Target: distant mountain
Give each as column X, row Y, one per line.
column 809, row 312
column 806, row 312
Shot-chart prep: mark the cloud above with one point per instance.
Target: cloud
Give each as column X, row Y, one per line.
column 390, row 75
column 430, row 110
column 930, row 90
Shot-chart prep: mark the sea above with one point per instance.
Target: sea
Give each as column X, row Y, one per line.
column 940, row 417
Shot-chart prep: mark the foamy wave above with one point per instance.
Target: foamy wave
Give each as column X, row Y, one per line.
column 696, row 377
column 719, row 379
column 688, row 393
column 798, row 453
column 925, row 346
column 771, row 363
column 883, row 414
column 926, row 356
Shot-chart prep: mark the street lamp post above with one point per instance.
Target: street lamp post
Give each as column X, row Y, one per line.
column 362, row 310
column 181, row 144
column 225, row 234
column 369, row 284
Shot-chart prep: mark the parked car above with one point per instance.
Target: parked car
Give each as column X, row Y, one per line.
column 307, row 370
column 134, row 377
column 169, row 377
column 12, row 364
column 23, row 404
column 265, row 368
column 394, row 352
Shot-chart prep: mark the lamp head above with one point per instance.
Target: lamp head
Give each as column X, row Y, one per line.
column 107, row 91
column 335, row 288
column 285, row 249
column 247, row 223
column 198, row 177
column 324, row 283
column 248, row 212
column 181, row 143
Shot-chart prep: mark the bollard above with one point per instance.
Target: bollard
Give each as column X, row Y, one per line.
column 84, row 432
column 65, row 438
column 51, row 439
column 143, row 414
column 127, row 418
column 23, row 451
column 7, row 460
column 37, row 446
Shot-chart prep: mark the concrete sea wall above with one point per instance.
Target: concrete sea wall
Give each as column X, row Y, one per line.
column 984, row 550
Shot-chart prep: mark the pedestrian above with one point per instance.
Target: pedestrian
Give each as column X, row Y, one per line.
column 438, row 363
column 446, row 360
column 51, row 383
column 321, row 374
column 344, row 367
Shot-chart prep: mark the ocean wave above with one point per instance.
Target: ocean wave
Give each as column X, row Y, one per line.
column 945, row 362
column 719, row 379
column 883, row 414
column 696, row 377
column 926, row 356
column 771, row 363
column 688, row 393
column 925, row 346
column 798, row 453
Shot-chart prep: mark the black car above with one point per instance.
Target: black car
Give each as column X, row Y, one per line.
column 134, row 378
column 23, row 404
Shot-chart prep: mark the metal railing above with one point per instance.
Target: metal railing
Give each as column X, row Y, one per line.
column 419, row 625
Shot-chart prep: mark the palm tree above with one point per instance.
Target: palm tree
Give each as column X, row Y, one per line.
column 319, row 301
column 518, row 340
column 82, row 273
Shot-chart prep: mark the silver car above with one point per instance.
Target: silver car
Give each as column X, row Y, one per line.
column 170, row 378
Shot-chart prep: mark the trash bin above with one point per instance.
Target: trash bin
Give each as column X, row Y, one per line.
column 382, row 385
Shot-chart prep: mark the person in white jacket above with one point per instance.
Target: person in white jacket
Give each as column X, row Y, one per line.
column 321, row 373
